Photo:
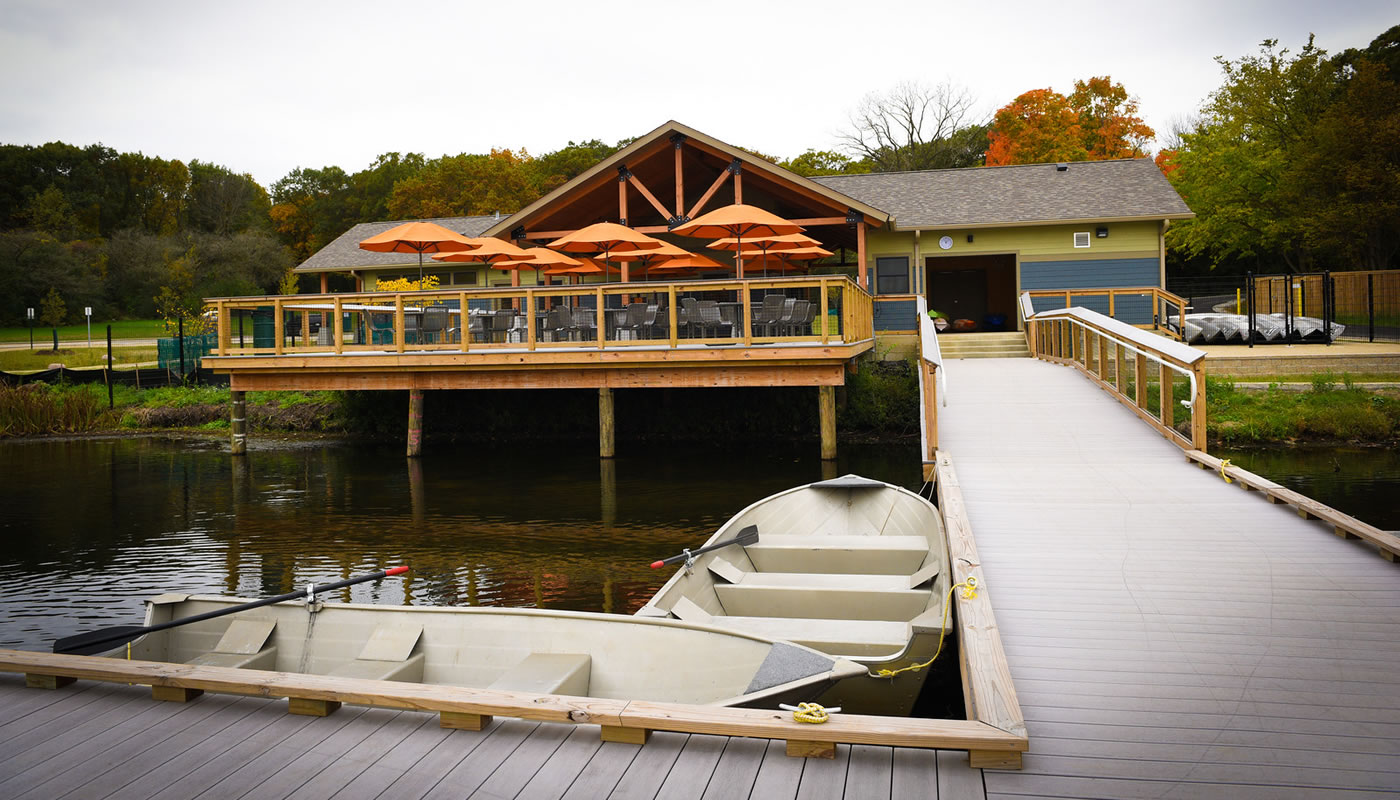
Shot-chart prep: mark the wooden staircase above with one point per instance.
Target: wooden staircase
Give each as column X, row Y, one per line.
column 1010, row 344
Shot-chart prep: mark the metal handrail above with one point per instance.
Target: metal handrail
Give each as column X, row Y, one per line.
column 1060, row 314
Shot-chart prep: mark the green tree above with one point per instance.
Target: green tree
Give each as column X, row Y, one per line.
column 221, row 201
column 552, row 170
column 466, row 184
column 177, row 299
column 1239, row 169
column 311, row 207
column 52, row 310
column 371, row 189
column 824, row 162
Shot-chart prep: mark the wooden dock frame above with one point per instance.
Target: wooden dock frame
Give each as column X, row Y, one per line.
column 1343, row 525
column 459, row 707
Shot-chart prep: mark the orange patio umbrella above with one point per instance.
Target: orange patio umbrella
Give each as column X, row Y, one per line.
column 763, row 244
column 543, row 257
column 420, row 238
column 739, row 221
column 787, row 259
column 585, row 266
column 693, row 262
column 650, row 259
column 606, row 238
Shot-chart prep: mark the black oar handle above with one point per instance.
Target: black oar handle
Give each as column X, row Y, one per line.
column 126, row 634
column 746, row 537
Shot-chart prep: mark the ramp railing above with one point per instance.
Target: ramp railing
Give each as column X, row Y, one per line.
column 1115, row 355
column 933, row 382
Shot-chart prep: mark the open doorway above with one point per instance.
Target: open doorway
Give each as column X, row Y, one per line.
column 976, row 293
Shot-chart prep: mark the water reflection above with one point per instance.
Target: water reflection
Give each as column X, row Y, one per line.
column 1361, row 481
column 92, row 527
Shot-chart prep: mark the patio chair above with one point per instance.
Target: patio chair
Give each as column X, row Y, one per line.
column 477, row 329
column 292, row 329
column 711, row 323
column 381, row 328
column 585, row 323
column 690, row 316
column 770, row 312
column 636, row 320
column 773, row 325
column 433, row 323
column 413, row 327
column 501, row 323
column 794, row 322
column 560, row 324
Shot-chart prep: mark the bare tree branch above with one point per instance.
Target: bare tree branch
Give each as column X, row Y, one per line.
column 916, row 126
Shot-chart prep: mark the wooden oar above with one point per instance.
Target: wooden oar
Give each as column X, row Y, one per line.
column 746, row 537
column 86, row 644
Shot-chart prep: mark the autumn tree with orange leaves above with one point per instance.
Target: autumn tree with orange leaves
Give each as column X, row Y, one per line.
column 1098, row 120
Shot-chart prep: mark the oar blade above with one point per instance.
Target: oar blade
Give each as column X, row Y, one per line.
column 94, row 642
column 747, row 536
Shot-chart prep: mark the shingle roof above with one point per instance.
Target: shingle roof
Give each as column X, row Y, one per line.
column 344, row 252
column 948, row 198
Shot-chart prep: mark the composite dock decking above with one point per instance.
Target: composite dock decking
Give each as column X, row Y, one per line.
column 113, row 741
column 1170, row 636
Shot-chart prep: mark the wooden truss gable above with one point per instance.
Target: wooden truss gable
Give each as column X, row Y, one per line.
column 675, row 174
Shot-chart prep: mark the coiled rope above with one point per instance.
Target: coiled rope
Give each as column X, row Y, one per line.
column 969, row 592
column 1225, row 462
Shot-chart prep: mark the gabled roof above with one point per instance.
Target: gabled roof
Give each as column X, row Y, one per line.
column 1122, row 189
column 649, row 141
column 344, row 251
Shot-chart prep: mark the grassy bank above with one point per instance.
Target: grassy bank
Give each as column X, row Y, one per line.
column 121, row 329
column 1333, row 410
column 878, row 402
column 31, row 361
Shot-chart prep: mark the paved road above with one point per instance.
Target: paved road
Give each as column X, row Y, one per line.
column 76, row 344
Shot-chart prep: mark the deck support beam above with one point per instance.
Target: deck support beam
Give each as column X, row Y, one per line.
column 415, row 422
column 238, row 423
column 606, row 428
column 826, row 411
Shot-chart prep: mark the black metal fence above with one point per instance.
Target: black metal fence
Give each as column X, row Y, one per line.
column 1308, row 307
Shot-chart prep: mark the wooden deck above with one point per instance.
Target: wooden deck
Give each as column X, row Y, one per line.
column 112, row 741
column 1169, row 635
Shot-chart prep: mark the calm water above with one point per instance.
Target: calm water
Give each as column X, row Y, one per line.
column 91, row 528
column 1363, row 482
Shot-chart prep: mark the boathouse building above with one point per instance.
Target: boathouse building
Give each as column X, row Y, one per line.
column 968, row 240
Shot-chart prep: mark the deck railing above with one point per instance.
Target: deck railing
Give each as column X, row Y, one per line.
column 1115, row 354
column 815, row 309
column 1146, row 307
column 933, row 383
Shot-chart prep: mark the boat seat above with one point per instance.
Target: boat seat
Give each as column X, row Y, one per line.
column 871, row 555
column 242, row 647
column 822, row 602
column 841, row 637
column 387, row 656
column 821, row 580
column 548, row 673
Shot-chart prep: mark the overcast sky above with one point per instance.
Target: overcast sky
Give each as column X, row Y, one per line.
column 265, row 87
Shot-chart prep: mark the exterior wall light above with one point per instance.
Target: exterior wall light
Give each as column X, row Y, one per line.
column 1101, row 232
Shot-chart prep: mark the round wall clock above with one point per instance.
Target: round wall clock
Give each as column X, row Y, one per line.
column 946, row 242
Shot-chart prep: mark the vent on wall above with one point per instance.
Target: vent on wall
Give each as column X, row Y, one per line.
column 1081, row 238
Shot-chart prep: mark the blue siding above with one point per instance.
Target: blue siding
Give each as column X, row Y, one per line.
column 895, row 315
column 1103, row 274
column 1097, row 274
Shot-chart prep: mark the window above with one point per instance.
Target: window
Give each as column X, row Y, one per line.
column 892, row 275
column 464, row 278
column 1081, row 238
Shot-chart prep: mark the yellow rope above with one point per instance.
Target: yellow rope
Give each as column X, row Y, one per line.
column 969, row 592
column 1225, row 462
column 810, row 712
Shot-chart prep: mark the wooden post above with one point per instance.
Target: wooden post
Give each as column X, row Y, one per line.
column 238, row 423
column 826, row 411
column 277, row 331
column 606, row 424
column 601, row 317
column 339, row 330
column 415, row 422
column 738, row 185
column 1140, row 381
column 398, row 323
column 931, row 408
column 529, row 317
column 1165, row 400
column 826, row 334
column 1198, row 408
column 673, row 312
column 622, row 200
column 1102, row 356
column 680, row 182
column 463, row 320
column 860, row 256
